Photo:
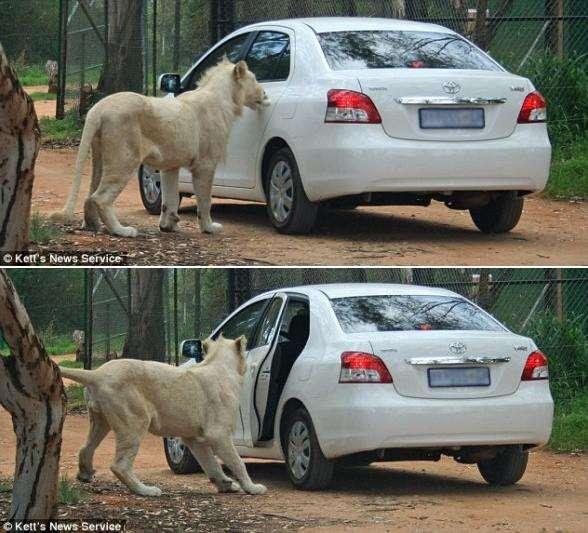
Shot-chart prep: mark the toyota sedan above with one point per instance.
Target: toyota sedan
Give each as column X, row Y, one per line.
column 368, row 111
column 350, row 374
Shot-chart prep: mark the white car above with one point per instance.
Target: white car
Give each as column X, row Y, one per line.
column 356, row 373
column 368, row 111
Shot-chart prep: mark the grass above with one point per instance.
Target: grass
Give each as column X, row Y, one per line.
column 75, row 398
column 570, row 425
column 68, row 129
column 43, row 96
column 69, row 363
column 569, row 171
column 31, row 75
column 70, row 493
column 40, row 231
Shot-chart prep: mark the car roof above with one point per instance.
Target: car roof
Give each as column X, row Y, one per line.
column 329, row 24
column 341, row 290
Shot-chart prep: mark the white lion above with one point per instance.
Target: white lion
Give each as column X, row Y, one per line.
column 197, row 403
column 127, row 129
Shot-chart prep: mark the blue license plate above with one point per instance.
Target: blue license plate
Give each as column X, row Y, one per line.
column 438, row 119
column 476, row 376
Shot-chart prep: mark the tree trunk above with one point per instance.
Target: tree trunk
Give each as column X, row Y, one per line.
column 19, row 144
column 146, row 336
column 31, row 390
column 124, row 69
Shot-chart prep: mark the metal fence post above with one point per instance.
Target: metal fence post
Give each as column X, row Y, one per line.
column 90, row 318
column 154, row 49
column 62, row 66
column 176, row 340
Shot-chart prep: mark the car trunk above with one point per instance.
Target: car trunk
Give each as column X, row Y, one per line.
column 400, row 95
column 411, row 357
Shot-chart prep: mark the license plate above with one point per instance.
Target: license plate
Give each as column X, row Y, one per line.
column 436, row 119
column 459, row 377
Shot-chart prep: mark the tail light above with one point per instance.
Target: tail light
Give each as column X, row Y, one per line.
column 534, row 109
column 351, row 107
column 535, row 367
column 359, row 367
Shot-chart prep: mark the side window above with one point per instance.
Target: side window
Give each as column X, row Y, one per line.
column 232, row 49
column 269, row 56
column 269, row 324
column 295, row 323
column 243, row 323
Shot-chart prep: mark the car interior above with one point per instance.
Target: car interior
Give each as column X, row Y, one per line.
column 292, row 338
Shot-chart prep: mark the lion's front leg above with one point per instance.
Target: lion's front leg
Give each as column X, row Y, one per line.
column 170, row 201
column 202, row 181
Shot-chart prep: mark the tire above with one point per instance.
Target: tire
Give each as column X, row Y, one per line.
column 282, row 181
column 179, row 457
column 500, row 215
column 506, row 468
column 150, row 189
column 299, row 433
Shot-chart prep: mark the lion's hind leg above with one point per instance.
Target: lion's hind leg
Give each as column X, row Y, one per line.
column 99, row 428
column 209, row 463
column 91, row 215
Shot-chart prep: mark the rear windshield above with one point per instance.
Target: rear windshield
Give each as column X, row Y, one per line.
column 347, row 50
column 410, row 313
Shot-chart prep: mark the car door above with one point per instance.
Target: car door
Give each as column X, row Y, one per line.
column 244, row 322
column 234, row 49
column 262, row 346
column 269, row 58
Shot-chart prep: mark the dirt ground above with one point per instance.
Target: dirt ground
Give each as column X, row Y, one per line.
column 407, row 496
column 550, row 232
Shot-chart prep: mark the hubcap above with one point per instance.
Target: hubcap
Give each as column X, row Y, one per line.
column 175, row 449
column 299, row 449
column 281, row 191
column 151, row 184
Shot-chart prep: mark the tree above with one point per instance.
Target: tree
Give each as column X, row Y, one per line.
column 146, row 336
column 19, row 145
column 124, row 68
column 31, row 390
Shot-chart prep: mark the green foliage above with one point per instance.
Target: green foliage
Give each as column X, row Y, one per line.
column 56, row 343
column 42, row 96
column 5, row 485
column 570, row 426
column 40, row 231
column 30, row 75
column 68, row 129
column 71, row 363
column 569, row 171
column 565, row 344
column 70, row 493
column 75, row 398
column 564, row 83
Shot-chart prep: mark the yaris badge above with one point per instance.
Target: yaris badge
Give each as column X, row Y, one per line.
column 451, row 87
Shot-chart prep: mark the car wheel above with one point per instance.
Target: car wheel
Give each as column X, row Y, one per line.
column 506, row 468
column 307, row 467
column 288, row 207
column 150, row 188
column 500, row 215
column 179, row 457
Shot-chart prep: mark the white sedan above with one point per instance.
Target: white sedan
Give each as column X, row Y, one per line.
column 356, row 373
column 369, row 111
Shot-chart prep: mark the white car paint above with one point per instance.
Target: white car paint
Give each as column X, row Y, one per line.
column 406, row 413
column 396, row 156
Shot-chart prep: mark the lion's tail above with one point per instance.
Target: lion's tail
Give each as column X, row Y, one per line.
column 90, row 129
column 85, row 377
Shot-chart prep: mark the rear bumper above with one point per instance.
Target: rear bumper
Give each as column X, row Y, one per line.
column 344, row 159
column 355, row 418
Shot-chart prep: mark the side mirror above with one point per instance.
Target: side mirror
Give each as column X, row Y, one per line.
column 192, row 349
column 170, row 83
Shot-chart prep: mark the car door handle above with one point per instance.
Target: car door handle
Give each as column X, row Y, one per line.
column 433, row 361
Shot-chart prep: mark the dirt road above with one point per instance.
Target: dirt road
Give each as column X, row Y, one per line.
column 443, row 496
column 550, row 233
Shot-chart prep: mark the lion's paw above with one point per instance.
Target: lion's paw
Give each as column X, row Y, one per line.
column 127, row 231
column 212, row 228
column 257, row 488
column 147, row 490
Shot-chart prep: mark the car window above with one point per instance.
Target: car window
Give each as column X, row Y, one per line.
column 269, row 56
column 410, row 313
column 270, row 323
column 347, row 50
column 295, row 321
column 232, row 49
column 243, row 323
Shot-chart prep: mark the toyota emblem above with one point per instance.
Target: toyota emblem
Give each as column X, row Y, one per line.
column 451, row 87
column 458, row 348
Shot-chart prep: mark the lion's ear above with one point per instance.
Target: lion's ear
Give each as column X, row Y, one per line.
column 241, row 343
column 240, row 70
